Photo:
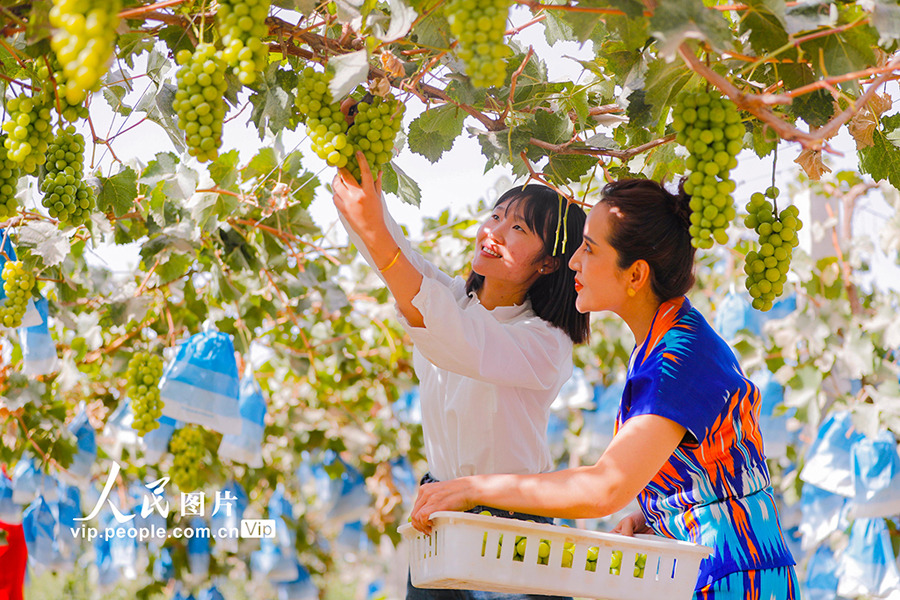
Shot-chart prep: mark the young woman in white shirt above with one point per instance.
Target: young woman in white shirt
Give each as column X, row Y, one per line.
column 491, row 352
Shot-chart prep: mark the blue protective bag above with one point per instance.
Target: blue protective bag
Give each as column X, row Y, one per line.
column 198, row 550
column 246, row 447
column 10, row 512
column 210, row 593
column 163, row 569
column 828, row 461
column 876, row 471
column 576, row 393
column 407, row 408
column 156, row 442
column 273, row 563
column 300, row 588
column 79, row 472
column 282, row 511
column 39, row 526
column 776, row 436
column 353, row 538
column 201, row 384
column 352, row 499
column 867, row 566
column 822, row 514
column 821, row 575
column 31, row 316
column 404, row 479
column 25, row 481
column 107, row 573
column 312, row 474
column 735, row 314
column 38, row 348
column 229, row 514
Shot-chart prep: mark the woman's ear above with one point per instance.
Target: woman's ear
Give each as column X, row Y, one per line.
column 550, row 264
column 640, row 275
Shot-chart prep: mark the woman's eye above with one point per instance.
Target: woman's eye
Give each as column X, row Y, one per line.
column 519, row 227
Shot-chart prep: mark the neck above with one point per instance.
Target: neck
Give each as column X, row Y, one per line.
column 638, row 315
column 497, row 293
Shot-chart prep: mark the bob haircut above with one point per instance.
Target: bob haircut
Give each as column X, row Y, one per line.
column 560, row 225
column 653, row 225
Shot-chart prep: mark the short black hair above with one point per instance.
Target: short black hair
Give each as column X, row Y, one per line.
column 560, row 224
column 653, row 225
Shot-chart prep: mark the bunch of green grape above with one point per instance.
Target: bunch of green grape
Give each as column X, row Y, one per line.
column 9, row 180
column 373, row 131
column 28, row 130
column 325, row 123
column 188, row 454
column 767, row 267
column 66, row 196
column 142, row 377
column 710, row 128
column 84, row 33
column 17, row 284
column 60, row 102
column 199, row 100
column 242, row 25
column 479, row 27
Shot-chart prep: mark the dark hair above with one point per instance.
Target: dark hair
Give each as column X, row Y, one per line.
column 653, row 225
column 561, row 227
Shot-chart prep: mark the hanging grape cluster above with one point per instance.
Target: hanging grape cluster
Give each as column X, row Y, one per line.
column 479, row 27
column 242, row 25
column 710, row 128
column 83, row 39
column 199, row 100
column 66, row 196
column 9, row 179
column 325, row 123
column 188, row 452
column 767, row 267
column 373, row 131
column 28, row 129
column 50, row 70
column 17, row 284
column 142, row 377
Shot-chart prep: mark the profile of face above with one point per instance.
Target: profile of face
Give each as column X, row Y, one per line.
column 599, row 282
column 506, row 249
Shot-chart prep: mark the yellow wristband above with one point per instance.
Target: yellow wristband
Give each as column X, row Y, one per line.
column 396, row 256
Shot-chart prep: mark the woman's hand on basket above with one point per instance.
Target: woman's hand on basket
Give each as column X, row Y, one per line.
column 443, row 495
column 632, row 524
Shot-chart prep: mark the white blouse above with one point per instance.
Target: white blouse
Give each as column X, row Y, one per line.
column 487, row 378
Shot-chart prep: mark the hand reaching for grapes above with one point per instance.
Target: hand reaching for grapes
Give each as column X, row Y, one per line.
column 633, row 524
column 360, row 201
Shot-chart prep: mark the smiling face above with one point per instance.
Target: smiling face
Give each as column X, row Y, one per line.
column 506, row 249
column 600, row 283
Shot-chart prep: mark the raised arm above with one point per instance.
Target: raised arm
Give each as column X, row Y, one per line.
column 639, row 450
column 364, row 214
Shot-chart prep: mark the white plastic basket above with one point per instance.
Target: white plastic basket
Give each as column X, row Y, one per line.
column 475, row 552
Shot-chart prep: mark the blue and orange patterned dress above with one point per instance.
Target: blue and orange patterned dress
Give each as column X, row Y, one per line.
column 714, row 490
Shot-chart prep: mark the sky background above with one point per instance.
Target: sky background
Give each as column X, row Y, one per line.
column 458, row 180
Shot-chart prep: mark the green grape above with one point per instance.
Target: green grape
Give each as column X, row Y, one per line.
column 142, row 377
column 709, row 127
column 84, row 33
column 373, row 131
column 242, row 25
column 767, row 266
column 66, row 196
column 479, row 27
column 325, row 123
column 28, row 130
column 188, row 454
column 17, row 285
column 51, row 71
column 9, row 180
column 615, row 563
column 199, row 100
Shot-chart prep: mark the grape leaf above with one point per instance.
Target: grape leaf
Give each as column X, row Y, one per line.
column 406, row 187
column 350, row 70
column 272, row 104
column 886, row 19
column 402, row 18
column 553, row 127
column 664, row 81
column 882, row 159
column 117, row 193
column 158, row 107
column 434, row 131
column 565, row 168
column 224, row 170
column 674, row 21
column 805, row 16
column 812, row 163
column 46, row 241
column 840, row 53
column 764, row 22
column 862, row 128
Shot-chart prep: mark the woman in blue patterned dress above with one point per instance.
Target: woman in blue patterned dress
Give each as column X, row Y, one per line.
column 687, row 440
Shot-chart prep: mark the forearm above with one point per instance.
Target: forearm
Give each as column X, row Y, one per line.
column 580, row 493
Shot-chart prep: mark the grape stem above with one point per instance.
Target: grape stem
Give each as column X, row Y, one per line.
column 514, row 79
